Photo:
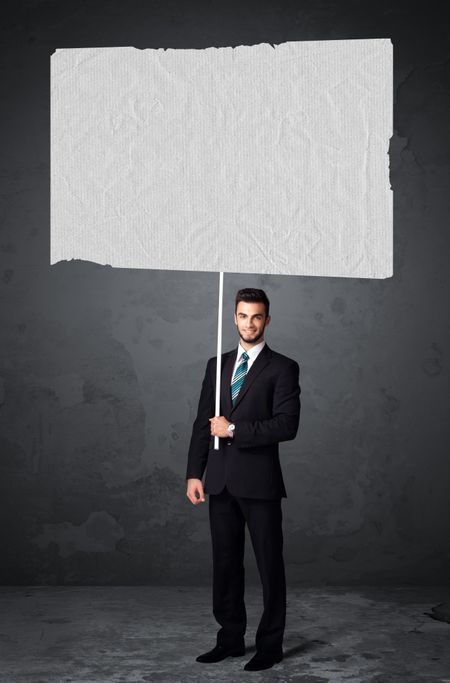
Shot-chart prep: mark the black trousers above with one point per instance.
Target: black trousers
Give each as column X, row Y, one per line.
column 228, row 516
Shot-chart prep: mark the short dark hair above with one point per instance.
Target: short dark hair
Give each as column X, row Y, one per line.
column 251, row 295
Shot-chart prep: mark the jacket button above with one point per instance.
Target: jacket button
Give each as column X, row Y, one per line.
column 229, row 443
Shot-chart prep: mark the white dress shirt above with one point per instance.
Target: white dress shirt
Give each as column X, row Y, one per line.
column 253, row 352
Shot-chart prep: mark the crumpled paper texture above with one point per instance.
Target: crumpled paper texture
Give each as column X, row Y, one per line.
column 253, row 159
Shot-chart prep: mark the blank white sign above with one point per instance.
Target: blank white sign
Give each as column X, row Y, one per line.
column 253, row 159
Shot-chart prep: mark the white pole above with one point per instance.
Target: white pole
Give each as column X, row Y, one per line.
column 219, row 355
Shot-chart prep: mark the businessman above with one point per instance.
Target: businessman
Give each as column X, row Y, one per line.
column 259, row 406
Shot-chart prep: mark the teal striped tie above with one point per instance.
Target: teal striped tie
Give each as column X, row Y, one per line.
column 239, row 377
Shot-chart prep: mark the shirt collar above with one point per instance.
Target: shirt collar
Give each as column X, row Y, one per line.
column 253, row 352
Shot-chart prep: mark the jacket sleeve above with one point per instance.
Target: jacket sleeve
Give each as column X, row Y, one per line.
column 283, row 425
column 201, row 429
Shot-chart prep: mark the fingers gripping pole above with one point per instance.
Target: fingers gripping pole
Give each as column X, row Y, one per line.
column 219, row 355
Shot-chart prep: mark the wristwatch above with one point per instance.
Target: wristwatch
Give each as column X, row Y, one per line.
column 231, row 428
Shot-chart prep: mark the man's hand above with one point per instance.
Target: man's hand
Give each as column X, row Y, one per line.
column 219, row 426
column 194, row 486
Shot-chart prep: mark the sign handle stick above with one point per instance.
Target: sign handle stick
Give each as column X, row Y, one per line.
column 219, row 354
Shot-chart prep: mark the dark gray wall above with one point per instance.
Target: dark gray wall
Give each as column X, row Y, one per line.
column 100, row 368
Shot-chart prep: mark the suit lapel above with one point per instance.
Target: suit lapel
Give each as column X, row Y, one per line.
column 262, row 359
column 225, row 393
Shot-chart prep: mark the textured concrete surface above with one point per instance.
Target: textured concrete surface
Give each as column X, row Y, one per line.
column 134, row 634
column 100, row 369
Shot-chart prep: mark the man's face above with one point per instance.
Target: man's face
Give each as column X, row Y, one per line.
column 251, row 321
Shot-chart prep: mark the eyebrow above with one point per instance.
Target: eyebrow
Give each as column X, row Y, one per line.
column 255, row 315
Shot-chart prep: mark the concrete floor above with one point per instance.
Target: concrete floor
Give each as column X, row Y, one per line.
column 112, row 634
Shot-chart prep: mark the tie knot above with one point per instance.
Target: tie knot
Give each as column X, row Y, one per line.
column 245, row 356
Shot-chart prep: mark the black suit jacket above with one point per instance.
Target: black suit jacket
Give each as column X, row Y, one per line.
column 266, row 412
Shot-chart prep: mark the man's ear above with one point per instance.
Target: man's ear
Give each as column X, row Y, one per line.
column 268, row 319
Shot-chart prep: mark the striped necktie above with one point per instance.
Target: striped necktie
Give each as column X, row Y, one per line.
column 239, row 376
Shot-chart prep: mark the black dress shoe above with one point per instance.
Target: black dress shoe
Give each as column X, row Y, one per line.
column 261, row 661
column 221, row 652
